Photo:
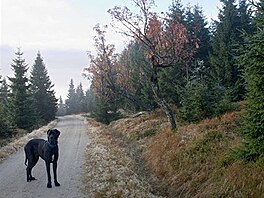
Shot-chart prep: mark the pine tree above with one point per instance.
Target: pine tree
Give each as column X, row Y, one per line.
column 137, row 74
column 227, row 35
column 253, row 62
column 194, row 101
column 245, row 18
column 196, row 25
column 61, row 108
column 4, row 92
column 80, row 99
column 20, row 108
column 4, row 96
column 71, row 99
column 89, row 100
column 44, row 100
column 223, row 40
column 176, row 10
column 172, row 79
column 183, row 84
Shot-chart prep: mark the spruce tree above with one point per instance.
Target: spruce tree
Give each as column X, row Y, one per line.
column 89, row 100
column 80, row 101
column 4, row 91
column 71, row 99
column 253, row 61
column 4, row 122
column 223, row 40
column 44, row 100
column 137, row 74
column 176, row 10
column 4, row 96
column 186, row 85
column 226, row 36
column 20, row 108
column 173, row 79
column 196, row 25
column 61, row 108
column 195, row 103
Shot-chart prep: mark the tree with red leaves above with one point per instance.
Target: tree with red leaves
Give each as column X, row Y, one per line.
column 164, row 38
column 109, row 78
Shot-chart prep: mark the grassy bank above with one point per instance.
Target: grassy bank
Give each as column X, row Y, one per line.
column 196, row 161
column 108, row 171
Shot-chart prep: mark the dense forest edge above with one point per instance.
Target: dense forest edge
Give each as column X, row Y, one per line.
column 199, row 86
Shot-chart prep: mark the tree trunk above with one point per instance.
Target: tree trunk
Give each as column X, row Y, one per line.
column 164, row 105
column 160, row 100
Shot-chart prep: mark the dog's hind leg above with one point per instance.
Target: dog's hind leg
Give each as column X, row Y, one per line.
column 28, row 158
column 32, row 161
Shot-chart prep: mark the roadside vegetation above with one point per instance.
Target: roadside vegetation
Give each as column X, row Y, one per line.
column 200, row 160
column 108, row 170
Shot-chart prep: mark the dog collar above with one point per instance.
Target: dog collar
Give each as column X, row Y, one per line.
column 51, row 145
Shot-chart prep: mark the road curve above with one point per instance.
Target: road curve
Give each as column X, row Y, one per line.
column 72, row 143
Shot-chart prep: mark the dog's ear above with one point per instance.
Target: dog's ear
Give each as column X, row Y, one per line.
column 57, row 132
column 48, row 131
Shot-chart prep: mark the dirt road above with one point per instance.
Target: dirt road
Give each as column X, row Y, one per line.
column 72, row 142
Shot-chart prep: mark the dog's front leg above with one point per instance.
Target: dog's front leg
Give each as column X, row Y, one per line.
column 48, row 174
column 55, row 173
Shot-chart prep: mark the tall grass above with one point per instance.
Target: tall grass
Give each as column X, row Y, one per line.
column 197, row 160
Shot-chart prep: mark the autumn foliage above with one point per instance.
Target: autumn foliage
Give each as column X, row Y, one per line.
column 164, row 37
column 101, row 70
column 165, row 44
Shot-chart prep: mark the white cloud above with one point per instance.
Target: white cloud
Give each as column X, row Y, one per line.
column 43, row 24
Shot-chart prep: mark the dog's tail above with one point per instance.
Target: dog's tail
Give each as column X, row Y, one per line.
column 26, row 159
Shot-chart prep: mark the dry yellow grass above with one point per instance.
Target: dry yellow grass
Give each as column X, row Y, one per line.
column 108, row 171
column 191, row 162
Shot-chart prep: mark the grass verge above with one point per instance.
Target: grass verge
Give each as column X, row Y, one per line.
column 108, row 171
column 196, row 161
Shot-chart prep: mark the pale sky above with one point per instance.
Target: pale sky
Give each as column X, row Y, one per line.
column 62, row 30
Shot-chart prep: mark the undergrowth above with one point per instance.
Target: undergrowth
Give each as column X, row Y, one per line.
column 199, row 160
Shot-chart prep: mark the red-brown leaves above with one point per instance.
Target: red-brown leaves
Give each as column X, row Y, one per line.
column 101, row 71
column 164, row 37
column 168, row 39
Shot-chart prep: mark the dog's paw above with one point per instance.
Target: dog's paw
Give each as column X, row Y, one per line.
column 31, row 179
column 49, row 185
column 57, row 183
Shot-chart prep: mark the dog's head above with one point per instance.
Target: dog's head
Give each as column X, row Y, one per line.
column 53, row 135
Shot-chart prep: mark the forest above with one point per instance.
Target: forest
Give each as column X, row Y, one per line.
column 179, row 63
column 175, row 61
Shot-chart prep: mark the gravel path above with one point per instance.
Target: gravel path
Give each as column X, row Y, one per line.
column 72, row 143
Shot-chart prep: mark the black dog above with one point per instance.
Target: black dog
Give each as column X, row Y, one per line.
column 47, row 150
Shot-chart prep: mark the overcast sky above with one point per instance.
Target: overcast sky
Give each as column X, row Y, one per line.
column 62, row 30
